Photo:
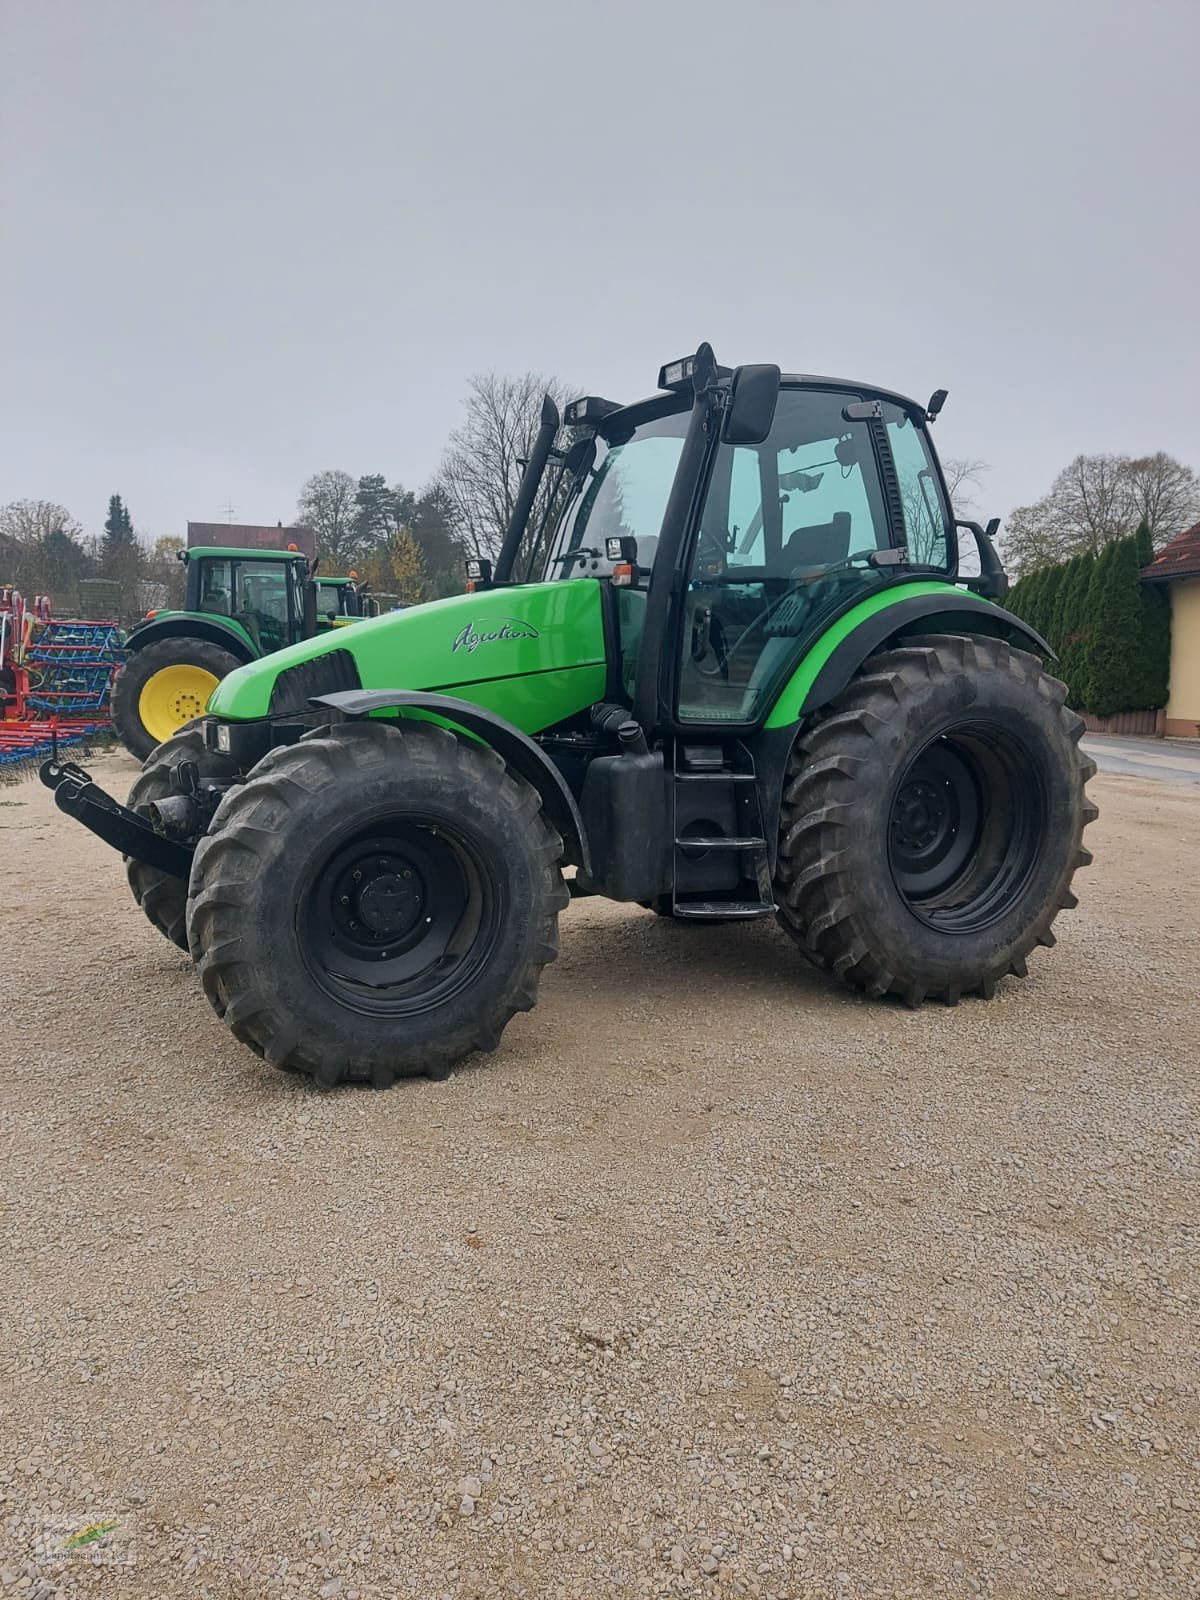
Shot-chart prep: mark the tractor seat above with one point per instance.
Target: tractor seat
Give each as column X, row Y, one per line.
column 249, row 621
column 819, row 546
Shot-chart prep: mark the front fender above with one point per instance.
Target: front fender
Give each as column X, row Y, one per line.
column 917, row 609
column 517, row 748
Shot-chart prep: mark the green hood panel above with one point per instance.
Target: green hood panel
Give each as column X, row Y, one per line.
column 533, row 654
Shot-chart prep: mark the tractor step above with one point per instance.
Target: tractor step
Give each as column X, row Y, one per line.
column 729, row 853
column 720, row 842
column 701, row 910
column 714, row 777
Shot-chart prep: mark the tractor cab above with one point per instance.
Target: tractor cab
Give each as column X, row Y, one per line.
column 738, row 515
column 262, row 590
column 342, row 600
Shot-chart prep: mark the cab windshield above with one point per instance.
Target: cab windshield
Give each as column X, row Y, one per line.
column 623, row 492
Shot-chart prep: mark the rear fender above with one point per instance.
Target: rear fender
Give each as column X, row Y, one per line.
column 833, row 661
column 228, row 635
column 517, row 749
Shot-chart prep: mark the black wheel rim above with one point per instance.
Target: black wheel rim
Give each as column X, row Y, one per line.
column 966, row 825
column 399, row 917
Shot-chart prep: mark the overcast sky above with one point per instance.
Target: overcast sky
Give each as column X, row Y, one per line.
column 243, row 240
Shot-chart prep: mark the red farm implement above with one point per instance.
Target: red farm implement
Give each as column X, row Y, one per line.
column 55, row 677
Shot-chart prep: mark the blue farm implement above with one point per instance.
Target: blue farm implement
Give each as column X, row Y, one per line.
column 55, row 679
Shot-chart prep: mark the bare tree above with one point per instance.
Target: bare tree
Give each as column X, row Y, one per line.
column 963, row 479
column 327, row 504
column 28, row 521
column 1028, row 541
column 164, row 579
column 1166, row 495
column 1100, row 498
column 1090, row 501
column 483, row 461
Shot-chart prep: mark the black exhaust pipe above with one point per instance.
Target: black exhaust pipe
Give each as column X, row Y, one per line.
column 530, row 483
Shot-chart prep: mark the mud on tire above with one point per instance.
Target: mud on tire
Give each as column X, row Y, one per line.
column 375, row 901
column 932, row 820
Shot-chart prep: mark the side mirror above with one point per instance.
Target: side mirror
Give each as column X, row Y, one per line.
column 752, row 401
column 992, row 580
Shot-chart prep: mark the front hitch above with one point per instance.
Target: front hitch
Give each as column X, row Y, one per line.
column 117, row 825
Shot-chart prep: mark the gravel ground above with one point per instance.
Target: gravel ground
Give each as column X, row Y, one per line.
column 714, row 1280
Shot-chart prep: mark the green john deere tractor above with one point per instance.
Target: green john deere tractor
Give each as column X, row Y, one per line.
column 748, row 685
column 240, row 606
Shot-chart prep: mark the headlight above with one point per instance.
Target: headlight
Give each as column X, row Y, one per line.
column 223, row 735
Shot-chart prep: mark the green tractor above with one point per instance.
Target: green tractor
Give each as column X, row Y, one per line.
column 240, row 605
column 749, row 685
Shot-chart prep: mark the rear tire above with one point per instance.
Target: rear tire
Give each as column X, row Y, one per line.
column 374, row 902
column 932, row 820
column 141, row 667
column 162, row 897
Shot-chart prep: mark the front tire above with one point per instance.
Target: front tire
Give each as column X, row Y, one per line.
column 932, row 820
column 163, row 687
column 376, row 901
column 162, row 897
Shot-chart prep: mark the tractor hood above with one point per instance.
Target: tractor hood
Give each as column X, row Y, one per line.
column 533, row 654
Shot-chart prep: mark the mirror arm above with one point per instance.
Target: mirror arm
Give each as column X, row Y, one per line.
column 992, row 581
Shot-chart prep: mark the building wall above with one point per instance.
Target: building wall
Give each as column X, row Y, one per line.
column 1183, row 706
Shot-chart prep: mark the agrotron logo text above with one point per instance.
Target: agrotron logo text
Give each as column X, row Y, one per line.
column 492, row 630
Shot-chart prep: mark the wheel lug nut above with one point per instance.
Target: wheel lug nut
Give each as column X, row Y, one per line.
column 357, row 876
column 345, row 899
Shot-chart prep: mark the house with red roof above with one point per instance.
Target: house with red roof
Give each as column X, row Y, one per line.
column 1178, row 566
column 252, row 536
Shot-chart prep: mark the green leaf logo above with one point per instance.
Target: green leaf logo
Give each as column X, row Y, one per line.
column 88, row 1535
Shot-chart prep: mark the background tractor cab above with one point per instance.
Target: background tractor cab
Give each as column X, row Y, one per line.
column 342, row 600
column 258, row 594
column 240, row 604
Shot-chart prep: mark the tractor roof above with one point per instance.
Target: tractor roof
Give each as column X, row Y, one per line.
column 795, row 379
column 201, row 552
column 680, row 398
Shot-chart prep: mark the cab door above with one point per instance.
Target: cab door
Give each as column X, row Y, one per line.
column 784, row 543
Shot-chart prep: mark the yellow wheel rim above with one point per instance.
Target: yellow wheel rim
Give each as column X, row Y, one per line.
column 173, row 696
